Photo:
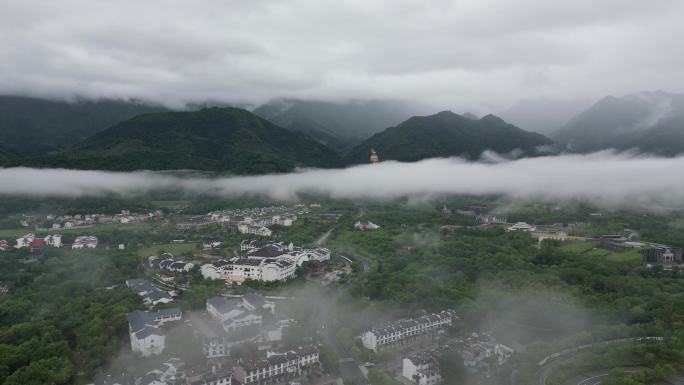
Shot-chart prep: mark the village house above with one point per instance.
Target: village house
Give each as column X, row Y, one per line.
column 4, row 246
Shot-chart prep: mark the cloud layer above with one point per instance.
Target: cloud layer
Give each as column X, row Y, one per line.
column 604, row 178
column 449, row 53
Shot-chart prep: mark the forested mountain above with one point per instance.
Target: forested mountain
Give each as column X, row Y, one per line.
column 31, row 126
column 448, row 134
column 339, row 125
column 651, row 122
column 213, row 139
column 6, row 154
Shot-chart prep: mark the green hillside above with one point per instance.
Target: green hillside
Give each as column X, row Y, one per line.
column 213, row 139
column 448, row 134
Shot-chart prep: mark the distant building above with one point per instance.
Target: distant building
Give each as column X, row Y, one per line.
column 522, row 226
column 53, row 240
column 4, row 245
column 25, row 240
column 662, row 255
column 366, row 226
column 81, row 242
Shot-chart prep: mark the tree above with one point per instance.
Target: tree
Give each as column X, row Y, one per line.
column 451, row 368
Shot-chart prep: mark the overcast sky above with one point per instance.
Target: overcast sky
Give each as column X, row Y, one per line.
column 479, row 53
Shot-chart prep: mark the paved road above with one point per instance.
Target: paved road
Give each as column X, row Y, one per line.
column 320, row 241
column 349, row 368
column 597, row 377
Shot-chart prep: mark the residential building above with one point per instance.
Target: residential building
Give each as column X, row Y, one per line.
column 232, row 313
column 25, row 240
column 146, row 336
column 406, row 330
column 4, row 245
column 421, row 369
column 278, row 366
column 53, row 240
column 150, row 294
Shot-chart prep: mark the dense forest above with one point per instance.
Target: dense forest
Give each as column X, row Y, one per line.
column 64, row 316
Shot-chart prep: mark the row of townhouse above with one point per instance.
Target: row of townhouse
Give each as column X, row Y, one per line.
column 278, row 366
column 147, row 338
column 151, row 295
column 406, row 330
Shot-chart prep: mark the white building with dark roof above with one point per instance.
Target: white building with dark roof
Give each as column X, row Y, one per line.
column 143, row 327
column 406, row 330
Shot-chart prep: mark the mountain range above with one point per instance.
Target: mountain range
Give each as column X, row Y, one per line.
column 339, row 125
column 34, row 127
column 213, row 139
column 646, row 122
column 286, row 134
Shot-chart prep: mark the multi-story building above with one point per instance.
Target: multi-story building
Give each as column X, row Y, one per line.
column 406, row 330
column 264, row 261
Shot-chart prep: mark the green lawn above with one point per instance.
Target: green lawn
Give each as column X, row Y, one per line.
column 579, row 247
column 588, row 248
column 94, row 230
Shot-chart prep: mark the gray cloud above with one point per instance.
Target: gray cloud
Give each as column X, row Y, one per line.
column 604, row 178
column 471, row 53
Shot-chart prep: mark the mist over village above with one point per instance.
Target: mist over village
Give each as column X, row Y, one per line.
column 442, row 192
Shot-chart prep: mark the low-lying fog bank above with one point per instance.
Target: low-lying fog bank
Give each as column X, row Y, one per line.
column 604, row 178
